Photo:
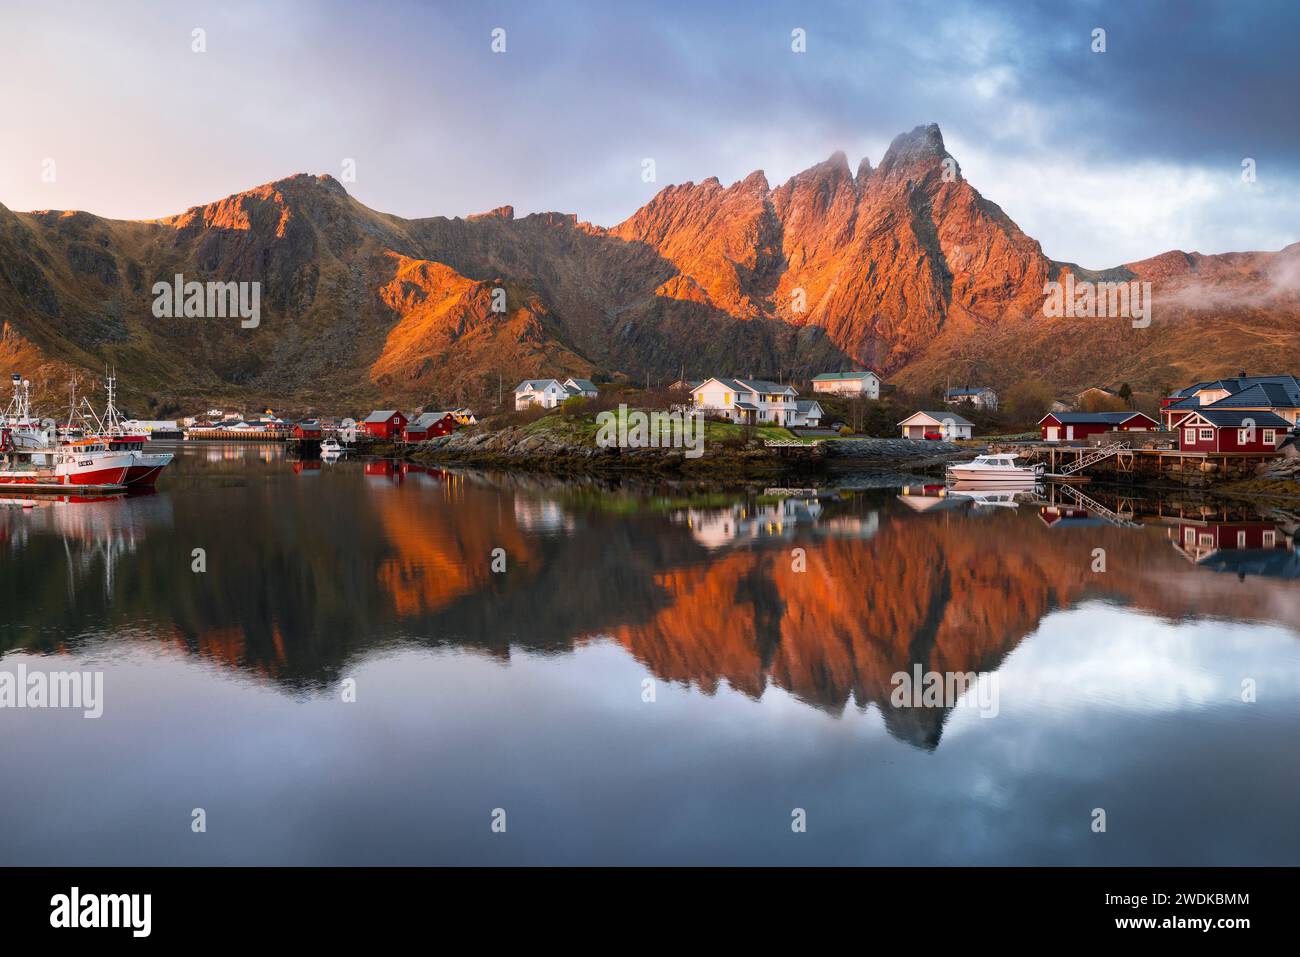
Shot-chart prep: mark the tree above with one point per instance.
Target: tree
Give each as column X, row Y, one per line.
column 1126, row 393
column 1029, row 400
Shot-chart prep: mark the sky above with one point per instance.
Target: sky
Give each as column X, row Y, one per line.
column 1104, row 157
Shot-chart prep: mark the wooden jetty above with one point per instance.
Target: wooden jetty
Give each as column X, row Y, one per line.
column 1129, row 460
column 241, row 435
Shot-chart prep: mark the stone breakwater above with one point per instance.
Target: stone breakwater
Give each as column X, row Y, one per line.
column 554, row 451
column 919, row 452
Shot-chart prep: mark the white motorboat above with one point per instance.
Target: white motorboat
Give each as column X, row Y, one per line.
column 1000, row 468
column 331, row 451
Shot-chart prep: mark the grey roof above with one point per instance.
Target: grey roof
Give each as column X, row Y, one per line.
column 1235, row 418
column 380, row 415
column 1235, row 384
column 1266, row 394
column 805, row 405
column 824, row 376
column 1092, row 418
column 585, row 385
column 426, row 419
column 764, row 385
column 975, row 391
column 530, row 385
column 746, row 406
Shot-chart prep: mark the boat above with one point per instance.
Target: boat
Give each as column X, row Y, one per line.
column 147, row 466
column 1000, row 468
column 331, row 451
column 84, row 465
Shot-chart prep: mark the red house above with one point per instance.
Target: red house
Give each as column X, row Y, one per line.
column 384, row 424
column 1077, row 426
column 430, row 425
column 1236, row 431
column 307, row 430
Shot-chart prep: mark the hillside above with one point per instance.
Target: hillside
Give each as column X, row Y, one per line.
column 903, row 267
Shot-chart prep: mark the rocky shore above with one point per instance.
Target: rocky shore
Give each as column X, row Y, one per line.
column 567, row 448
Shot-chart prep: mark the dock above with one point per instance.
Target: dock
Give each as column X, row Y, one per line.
column 230, row 435
column 54, row 488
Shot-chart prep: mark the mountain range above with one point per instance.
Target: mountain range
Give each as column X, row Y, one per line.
column 902, row 267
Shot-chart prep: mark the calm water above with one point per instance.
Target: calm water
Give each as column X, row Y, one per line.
column 765, row 629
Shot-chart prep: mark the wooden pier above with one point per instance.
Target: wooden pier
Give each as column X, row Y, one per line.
column 230, row 435
column 1120, row 460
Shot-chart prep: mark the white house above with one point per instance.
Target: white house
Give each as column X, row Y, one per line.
column 582, row 387
column 754, row 401
column 548, row 393
column 946, row 425
column 810, row 412
column 848, row 383
column 982, row 397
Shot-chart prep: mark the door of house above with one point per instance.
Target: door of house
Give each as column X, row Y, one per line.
column 1053, row 433
column 1069, row 433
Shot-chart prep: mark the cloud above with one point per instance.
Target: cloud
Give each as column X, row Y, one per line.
column 1063, row 138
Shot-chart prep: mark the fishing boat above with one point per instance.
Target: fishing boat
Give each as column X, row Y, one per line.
column 147, row 466
column 998, row 468
column 86, row 465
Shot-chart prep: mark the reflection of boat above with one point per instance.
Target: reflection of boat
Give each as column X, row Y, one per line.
column 1000, row 498
column 926, row 498
column 1000, row 468
column 331, row 450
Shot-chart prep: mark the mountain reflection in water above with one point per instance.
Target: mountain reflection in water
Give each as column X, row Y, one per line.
column 822, row 595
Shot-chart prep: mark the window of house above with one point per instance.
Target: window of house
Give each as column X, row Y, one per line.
column 1270, row 538
column 1206, row 539
column 1189, row 435
column 1241, row 539
column 1207, row 435
column 1189, row 535
column 1244, row 437
column 1270, row 436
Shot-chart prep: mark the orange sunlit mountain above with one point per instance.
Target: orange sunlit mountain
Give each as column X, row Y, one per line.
column 903, row 266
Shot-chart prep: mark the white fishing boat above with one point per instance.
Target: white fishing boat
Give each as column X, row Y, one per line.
column 1000, row 468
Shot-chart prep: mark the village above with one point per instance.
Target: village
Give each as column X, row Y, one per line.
column 1226, row 428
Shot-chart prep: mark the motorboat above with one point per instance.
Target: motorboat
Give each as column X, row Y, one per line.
column 999, row 468
column 331, row 450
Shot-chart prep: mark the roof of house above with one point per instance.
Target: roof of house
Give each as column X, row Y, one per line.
column 750, row 385
column 1236, row 418
column 1236, row 384
column 805, row 405
column 1094, row 418
column 1099, row 388
column 975, row 391
column 535, row 385
column 1261, row 394
column 426, row 419
column 829, row 376
column 381, row 415
column 764, row 385
column 584, row 385
column 940, row 417
column 746, row 406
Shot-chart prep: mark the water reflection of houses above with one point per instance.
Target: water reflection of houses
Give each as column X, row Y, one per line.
column 774, row 520
column 542, row 515
column 1240, row 548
